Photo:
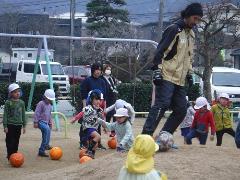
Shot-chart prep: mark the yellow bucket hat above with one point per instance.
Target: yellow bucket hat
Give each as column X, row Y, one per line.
column 140, row 156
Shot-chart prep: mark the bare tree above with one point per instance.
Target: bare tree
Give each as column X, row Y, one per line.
column 219, row 30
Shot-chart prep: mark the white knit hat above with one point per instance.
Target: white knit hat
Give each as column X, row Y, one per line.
column 200, row 102
column 224, row 95
column 121, row 112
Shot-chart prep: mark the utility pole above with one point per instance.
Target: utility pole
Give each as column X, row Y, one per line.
column 72, row 17
column 160, row 19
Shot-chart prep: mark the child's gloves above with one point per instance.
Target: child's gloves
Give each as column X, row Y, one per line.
column 120, row 149
column 212, row 137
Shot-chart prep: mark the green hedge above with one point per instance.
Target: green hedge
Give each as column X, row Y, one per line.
column 137, row 94
column 37, row 96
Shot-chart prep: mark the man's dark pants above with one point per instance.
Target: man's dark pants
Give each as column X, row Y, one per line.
column 167, row 96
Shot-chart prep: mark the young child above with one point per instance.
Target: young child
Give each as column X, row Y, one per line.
column 79, row 116
column 123, row 129
column 123, row 104
column 140, row 162
column 91, row 115
column 187, row 122
column 202, row 119
column 13, row 119
column 43, row 121
column 222, row 118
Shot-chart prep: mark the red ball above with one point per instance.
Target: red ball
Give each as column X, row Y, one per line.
column 85, row 159
column 56, row 153
column 112, row 143
column 16, row 159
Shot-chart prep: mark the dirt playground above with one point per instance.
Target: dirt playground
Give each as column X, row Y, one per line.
column 187, row 163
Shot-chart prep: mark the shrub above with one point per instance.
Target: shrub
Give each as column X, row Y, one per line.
column 138, row 95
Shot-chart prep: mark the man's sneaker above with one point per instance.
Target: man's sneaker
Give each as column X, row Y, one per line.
column 100, row 146
column 48, row 147
column 42, row 154
column 174, row 146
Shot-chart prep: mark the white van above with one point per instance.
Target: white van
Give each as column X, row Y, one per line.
column 227, row 80
column 25, row 70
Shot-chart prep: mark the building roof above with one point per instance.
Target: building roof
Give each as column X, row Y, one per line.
column 235, row 52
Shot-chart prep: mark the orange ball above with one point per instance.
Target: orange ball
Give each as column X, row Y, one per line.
column 85, row 159
column 56, row 153
column 112, row 143
column 16, row 159
column 82, row 152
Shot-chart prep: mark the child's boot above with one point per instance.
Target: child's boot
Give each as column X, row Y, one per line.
column 91, row 151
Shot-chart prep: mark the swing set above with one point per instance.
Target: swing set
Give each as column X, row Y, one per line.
column 42, row 41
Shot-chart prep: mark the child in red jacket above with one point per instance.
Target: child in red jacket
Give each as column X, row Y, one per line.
column 203, row 118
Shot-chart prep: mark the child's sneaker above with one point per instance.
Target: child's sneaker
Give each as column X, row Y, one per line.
column 100, row 146
column 42, row 154
column 91, row 154
column 48, row 147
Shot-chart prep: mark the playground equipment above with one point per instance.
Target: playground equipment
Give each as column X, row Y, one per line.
column 43, row 42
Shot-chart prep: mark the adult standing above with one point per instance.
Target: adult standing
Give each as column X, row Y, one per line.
column 172, row 64
column 111, row 89
column 93, row 82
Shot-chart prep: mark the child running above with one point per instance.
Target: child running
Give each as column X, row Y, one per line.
column 13, row 119
column 43, row 121
column 202, row 119
column 187, row 122
column 79, row 116
column 91, row 115
column 123, row 129
column 222, row 118
column 140, row 162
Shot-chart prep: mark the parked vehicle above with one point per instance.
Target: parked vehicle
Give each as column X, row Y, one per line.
column 77, row 73
column 225, row 80
column 25, row 70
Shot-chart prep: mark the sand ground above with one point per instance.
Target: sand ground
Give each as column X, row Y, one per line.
column 186, row 163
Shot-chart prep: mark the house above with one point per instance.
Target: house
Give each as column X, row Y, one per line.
column 38, row 24
column 30, row 54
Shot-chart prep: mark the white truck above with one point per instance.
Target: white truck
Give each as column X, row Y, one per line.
column 25, row 70
column 227, row 80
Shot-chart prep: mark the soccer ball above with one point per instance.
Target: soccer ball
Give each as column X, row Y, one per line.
column 165, row 141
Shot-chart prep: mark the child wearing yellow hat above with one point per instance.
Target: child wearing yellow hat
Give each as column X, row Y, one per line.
column 140, row 163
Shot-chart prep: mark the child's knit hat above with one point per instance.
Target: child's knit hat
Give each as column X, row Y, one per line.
column 140, row 156
column 12, row 87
